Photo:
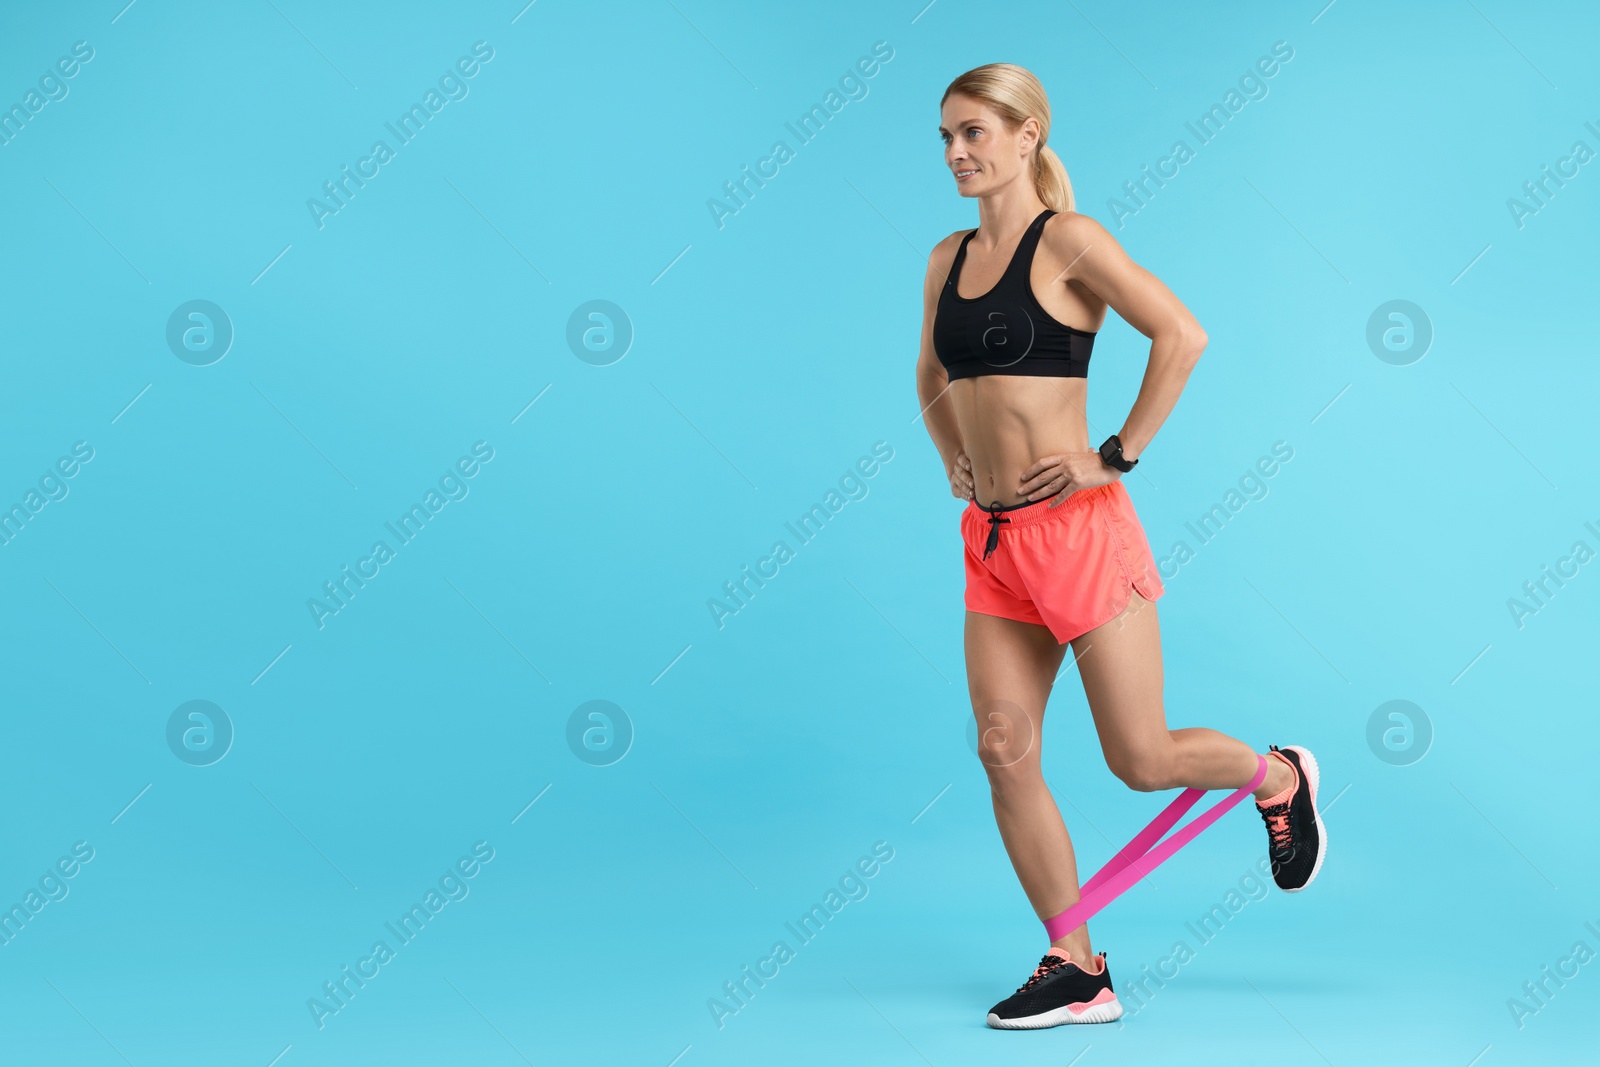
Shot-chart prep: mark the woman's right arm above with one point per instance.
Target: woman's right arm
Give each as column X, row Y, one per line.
column 933, row 384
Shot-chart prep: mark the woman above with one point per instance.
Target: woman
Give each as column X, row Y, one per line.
column 1054, row 552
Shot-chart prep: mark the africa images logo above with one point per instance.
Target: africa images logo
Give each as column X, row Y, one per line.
column 1006, row 335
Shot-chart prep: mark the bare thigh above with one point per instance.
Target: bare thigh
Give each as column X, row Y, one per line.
column 1120, row 663
column 1011, row 668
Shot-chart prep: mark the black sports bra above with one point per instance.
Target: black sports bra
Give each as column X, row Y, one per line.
column 1006, row 331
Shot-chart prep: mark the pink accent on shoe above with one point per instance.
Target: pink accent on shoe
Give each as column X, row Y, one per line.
column 1102, row 997
column 1045, row 968
column 1278, row 829
column 1284, row 796
column 1305, row 755
column 1142, row 855
column 1098, row 961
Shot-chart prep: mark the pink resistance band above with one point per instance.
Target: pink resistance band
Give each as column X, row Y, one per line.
column 1138, row 859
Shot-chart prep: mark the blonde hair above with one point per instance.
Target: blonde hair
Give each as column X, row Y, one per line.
column 1016, row 95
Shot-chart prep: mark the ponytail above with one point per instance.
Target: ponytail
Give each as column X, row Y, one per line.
column 1050, row 180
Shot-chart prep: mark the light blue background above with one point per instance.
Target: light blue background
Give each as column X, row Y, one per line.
column 769, row 754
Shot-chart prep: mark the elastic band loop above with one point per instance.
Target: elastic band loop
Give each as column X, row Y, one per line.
column 1138, row 858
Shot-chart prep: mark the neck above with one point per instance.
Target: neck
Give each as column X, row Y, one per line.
column 1005, row 213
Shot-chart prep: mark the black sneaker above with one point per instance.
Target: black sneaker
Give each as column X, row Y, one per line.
column 1059, row 992
column 1296, row 841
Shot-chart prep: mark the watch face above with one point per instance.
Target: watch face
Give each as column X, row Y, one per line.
column 1111, row 455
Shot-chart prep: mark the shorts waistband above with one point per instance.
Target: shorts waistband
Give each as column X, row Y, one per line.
column 1040, row 510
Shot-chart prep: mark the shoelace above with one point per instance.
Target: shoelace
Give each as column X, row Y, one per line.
column 1046, row 967
column 1278, row 833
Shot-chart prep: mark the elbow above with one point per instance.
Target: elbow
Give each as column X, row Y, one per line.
column 1191, row 343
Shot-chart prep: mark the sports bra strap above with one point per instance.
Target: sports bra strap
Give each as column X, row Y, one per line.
column 1021, row 259
column 1029, row 244
column 961, row 253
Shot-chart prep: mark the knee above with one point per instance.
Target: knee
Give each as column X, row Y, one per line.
column 1148, row 771
column 1010, row 772
column 1015, row 784
column 1010, row 758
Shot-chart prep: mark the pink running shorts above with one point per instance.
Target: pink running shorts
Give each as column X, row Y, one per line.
column 1069, row 568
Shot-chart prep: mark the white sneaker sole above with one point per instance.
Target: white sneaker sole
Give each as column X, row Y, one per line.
column 1308, row 764
column 1108, row 1012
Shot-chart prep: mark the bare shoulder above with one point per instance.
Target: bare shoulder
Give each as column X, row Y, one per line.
column 940, row 260
column 1068, row 233
column 944, row 253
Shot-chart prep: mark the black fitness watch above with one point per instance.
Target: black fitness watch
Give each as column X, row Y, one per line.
column 1111, row 455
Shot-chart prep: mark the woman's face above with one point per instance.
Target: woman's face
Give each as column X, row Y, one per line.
column 981, row 153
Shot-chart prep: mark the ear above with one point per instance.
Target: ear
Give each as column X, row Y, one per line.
column 1028, row 135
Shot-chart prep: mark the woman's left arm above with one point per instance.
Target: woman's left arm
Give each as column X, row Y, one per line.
column 1097, row 261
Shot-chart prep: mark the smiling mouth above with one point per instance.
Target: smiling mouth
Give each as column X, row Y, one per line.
column 963, row 175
